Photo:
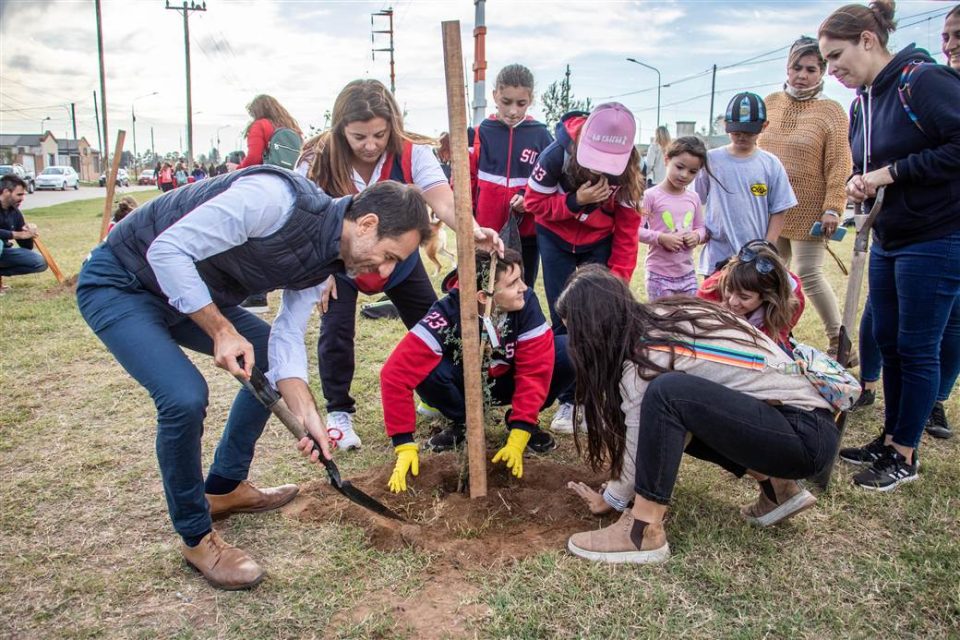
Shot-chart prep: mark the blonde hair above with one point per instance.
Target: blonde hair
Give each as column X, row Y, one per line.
column 663, row 138
column 329, row 153
column 265, row 107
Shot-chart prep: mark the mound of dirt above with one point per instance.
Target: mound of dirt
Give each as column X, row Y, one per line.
column 517, row 518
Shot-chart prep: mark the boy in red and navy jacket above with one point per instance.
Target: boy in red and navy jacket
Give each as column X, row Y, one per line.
column 528, row 371
column 501, row 159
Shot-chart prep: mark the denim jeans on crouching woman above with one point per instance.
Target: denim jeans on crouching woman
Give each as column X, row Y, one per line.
column 734, row 430
column 913, row 291
column 144, row 333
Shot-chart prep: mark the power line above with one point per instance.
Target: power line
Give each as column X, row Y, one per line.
column 754, row 59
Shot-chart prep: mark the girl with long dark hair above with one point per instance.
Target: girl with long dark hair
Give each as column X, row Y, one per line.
column 673, row 373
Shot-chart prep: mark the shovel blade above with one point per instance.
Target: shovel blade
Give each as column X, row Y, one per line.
column 366, row 501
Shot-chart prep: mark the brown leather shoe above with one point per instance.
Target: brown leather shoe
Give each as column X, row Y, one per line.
column 626, row 540
column 778, row 500
column 223, row 565
column 246, row 498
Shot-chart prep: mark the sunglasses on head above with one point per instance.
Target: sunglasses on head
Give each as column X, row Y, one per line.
column 750, row 252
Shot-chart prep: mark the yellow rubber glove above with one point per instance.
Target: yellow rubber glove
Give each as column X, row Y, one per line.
column 407, row 460
column 512, row 452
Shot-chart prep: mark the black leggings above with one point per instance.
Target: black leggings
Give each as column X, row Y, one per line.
column 729, row 428
column 412, row 297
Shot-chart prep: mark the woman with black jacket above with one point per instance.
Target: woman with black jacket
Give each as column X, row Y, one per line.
column 905, row 136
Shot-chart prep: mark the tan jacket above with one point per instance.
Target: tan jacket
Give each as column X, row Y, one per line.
column 810, row 139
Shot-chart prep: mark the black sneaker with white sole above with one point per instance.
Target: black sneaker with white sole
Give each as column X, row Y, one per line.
column 256, row 303
column 888, row 472
column 867, row 454
column 450, row 438
column 541, row 442
column 937, row 425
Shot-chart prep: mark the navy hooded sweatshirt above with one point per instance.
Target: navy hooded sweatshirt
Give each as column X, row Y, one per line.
column 923, row 203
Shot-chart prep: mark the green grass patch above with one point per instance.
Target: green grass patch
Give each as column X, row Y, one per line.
column 87, row 551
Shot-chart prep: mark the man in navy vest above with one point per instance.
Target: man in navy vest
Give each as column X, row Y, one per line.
column 173, row 274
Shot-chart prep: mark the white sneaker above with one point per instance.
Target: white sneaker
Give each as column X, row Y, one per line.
column 563, row 419
column 340, row 423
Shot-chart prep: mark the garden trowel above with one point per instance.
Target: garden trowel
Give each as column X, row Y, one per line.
column 261, row 389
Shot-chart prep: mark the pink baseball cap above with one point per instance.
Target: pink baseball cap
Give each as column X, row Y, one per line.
column 606, row 139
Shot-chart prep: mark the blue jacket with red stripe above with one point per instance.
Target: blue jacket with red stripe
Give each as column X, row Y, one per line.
column 526, row 352
column 553, row 202
column 502, row 159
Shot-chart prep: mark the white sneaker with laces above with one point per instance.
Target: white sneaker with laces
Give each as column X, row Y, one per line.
column 563, row 419
column 341, row 423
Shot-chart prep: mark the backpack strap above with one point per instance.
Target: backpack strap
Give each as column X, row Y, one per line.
column 904, row 90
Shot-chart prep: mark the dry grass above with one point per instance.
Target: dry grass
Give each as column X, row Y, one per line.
column 86, row 549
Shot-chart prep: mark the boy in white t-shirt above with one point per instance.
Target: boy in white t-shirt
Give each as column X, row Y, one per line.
column 747, row 191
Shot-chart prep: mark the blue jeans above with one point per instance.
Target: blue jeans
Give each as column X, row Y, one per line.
column 17, row 261
column 145, row 334
column 913, row 291
column 443, row 388
column 559, row 262
column 871, row 361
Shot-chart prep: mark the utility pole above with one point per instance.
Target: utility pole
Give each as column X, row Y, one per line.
column 713, row 91
column 153, row 149
column 185, row 11
column 96, row 116
column 103, row 88
column 73, row 119
column 479, row 63
column 388, row 13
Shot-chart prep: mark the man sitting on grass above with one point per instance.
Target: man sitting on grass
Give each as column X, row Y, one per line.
column 173, row 275
column 528, row 370
column 20, row 260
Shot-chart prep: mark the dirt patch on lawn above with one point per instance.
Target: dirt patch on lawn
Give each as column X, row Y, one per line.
column 517, row 518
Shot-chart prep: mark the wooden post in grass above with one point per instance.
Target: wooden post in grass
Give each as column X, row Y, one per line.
column 112, row 184
column 54, row 267
column 466, row 262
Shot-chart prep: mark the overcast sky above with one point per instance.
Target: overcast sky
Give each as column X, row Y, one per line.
column 304, row 51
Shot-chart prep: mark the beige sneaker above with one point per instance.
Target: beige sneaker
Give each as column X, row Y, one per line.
column 223, row 565
column 626, row 540
column 778, row 500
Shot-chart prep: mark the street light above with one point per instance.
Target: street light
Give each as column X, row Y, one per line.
column 133, row 117
column 643, row 64
column 41, row 124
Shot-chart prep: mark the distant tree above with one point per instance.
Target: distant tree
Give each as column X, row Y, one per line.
column 558, row 99
column 126, row 159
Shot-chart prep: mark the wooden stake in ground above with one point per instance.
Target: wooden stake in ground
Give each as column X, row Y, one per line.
column 112, row 184
column 54, row 267
column 467, row 276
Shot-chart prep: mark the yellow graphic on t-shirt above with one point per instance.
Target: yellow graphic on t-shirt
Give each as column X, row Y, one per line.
column 759, row 189
column 668, row 221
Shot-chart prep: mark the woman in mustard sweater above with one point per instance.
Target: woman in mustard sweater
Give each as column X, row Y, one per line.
column 808, row 133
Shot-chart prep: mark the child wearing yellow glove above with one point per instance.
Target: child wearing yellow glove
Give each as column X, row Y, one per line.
column 528, row 371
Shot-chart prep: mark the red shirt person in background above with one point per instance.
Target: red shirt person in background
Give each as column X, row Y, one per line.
column 268, row 115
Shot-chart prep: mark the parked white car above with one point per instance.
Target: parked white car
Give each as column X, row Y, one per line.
column 58, row 178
